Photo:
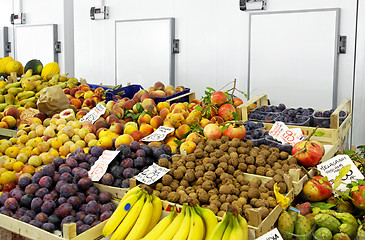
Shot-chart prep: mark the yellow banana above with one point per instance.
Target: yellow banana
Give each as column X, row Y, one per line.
column 197, row 229
column 243, row 223
column 237, row 231
column 140, row 228
column 128, row 222
column 209, row 219
column 157, row 210
column 161, row 226
column 184, row 230
column 123, row 208
column 228, row 231
column 131, row 192
column 172, row 229
column 219, row 229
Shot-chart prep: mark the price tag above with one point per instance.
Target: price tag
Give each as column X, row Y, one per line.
column 158, row 135
column 282, row 133
column 272, row 235
column 94, row 114
column 28, row 113
column 151, row 174
column 332, row 167
column 98, row 170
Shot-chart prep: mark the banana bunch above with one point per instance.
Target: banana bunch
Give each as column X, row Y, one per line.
column 232, row 227
column 193, row 222
column 137, row 213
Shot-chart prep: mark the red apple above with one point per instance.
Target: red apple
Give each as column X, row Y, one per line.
column 212, row 131
column 357, row 198
column 235, row 132
column 218, row 98
column 311, row 156
column 226, row 111
column 315, row 191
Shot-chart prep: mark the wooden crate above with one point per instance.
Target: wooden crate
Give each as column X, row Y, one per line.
column 7, row 133
column 330, row 135
column 116, row 192
column 190, row 95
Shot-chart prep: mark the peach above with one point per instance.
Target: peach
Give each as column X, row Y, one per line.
column 156, row 121
column 12, row 111
column 196, row 113
column 226, row 111
column 144, row 118
column 88, row 137
column 92, row 142
column 204, row 122
column 47, row 158
column 107, row 113
column 235, row 132
column 148, row 101
column 81, row 113
column 180, row 105
column 151, row 89
column 212, row 131
column 159, row 86
column 117, row 128
column 66, row 91
column 89, row 126
column 84, row 87
column 99, row 90
column 105, row 142
column 101, row 124
column 218, row 98
column 169, row 87
column 155, row 144
column 4, row 125
column 73, row 91
column 128, row 129
column 176, row 119
column 110, row 105
column 35, row 120
column 192, row 120
column 150, row 108
column 28, row 169
column 123, row 139
column 237, row 101
column 140, row 93
column 88, row 94
column 112, row 119
column 187, row 147
column 192, row 136
column 164, row 112
column 162, row 105
column 179, row 88
column 89, row 103
column 137, row 135
column 79, row 94
column 170, row 92
column 145, row 96
column 158, row 94
column 118, row 111
column 217, row 120
column 146, row 129
column 182, row 131
column 129, row 104
column 11, row 121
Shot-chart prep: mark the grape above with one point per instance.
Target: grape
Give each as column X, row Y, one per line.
column 42, row 217
column 89, row 219
column 75, row 202
column 139, row 162
column 17, row 194
column 46, row 182
column 36, row 204
column 25, row 219
column 36, row 223
column 48, row 207
column 85, row 183
column 63, row 210
column 92, row 207
column 105, row 197
column 11, row 204
column 49, row 227
column 128, row 173
column 107, row 179
column 48, row 170
column 26, row 200
column 41, row 192
column 135, row 146
column 54, row 219
column 127, row 163
column 24, row 182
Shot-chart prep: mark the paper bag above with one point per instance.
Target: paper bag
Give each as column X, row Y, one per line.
column 52, row 101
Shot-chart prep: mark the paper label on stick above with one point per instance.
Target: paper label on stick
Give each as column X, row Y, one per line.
column 98, row 170
column 28, row 113
column 332, row 167
column 158, row 135
column 282, row 133
column 272, row 235
column 151, row 174
column 94, row 114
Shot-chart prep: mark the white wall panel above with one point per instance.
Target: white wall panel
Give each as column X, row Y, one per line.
column 6, row 9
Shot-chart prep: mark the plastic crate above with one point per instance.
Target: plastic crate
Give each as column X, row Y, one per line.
column 261, row 117
column 325, row 122
column 305, row 123
column 282, row 147
column 182, row 99
column 97, row 86
column 123, row 92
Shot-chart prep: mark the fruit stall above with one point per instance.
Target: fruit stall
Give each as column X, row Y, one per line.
column 83, row 161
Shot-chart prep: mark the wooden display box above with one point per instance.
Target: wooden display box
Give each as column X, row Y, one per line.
column 190, row 96
column 7, row 133
column 116, row 192
column 330, row 135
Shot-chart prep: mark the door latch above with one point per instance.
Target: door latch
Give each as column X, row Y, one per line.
column 251, row 5
column 342, row 45
column 176, row 46
column 57, row 47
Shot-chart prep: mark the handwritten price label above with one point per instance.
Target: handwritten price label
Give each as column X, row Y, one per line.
column 28, row 113
column 98, row 170
column 332, row 167
column 94, row 114
column 158, row 135
column 272, row 235
column 151, row 174
column 282, row 133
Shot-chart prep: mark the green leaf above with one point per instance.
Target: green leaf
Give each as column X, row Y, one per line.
column 362, row 193
column 322, row 205
column 235, row 116
column 344, row 171
column 225, row 127
column 355, row 188
column 139, row 107
column 197, row 107
column 318, row 134
column 210, row 89
column 361, row 182
column 322, row 180
column 348, row 152
column 337, row 182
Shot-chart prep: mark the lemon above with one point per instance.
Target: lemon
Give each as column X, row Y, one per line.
column 4, row 62
column 14, row 66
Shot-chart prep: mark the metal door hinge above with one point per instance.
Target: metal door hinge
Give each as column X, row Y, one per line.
column 17, row 18
column 175, row 46
column 342, row 44
column 251, row 5
column 8, row 47
column 57, row 47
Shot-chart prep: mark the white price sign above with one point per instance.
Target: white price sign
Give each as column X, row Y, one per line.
column 282, row 133
column 332, row 167
column 94, row 114
column 158, row 135
column 151, row 174
column 98, row 170
column 272, row 235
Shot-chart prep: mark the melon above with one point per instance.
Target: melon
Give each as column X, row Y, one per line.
column 35, row 65
column 50, row 68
